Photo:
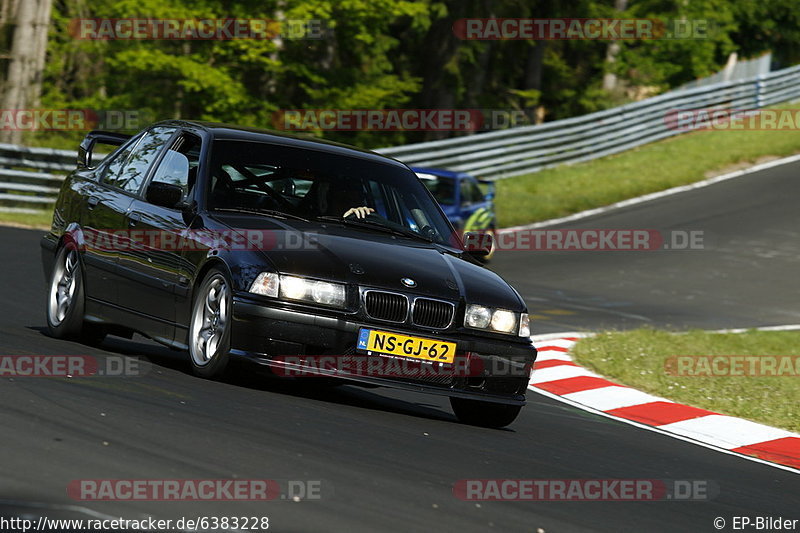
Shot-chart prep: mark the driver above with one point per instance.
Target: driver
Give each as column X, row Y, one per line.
column 337, row 199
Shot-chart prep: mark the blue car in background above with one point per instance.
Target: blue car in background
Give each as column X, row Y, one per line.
column 466, row 200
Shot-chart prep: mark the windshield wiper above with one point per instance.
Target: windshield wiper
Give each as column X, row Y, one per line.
column 377, row 226
column 265, row 212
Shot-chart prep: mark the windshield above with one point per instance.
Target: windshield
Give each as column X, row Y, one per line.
column 299, row 182
column 443, row 189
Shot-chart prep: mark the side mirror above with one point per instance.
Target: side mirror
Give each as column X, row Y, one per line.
column 164, row 194
column 479, row 243
column 172, row 174
column 93, row 138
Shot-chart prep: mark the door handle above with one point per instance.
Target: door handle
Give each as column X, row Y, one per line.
column 93, row 201
column 133, row 219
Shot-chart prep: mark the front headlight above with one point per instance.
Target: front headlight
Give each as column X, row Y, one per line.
column 478, row 317
column 486, row 318
column 293, row 288
column 296, row 288
column 504, row 321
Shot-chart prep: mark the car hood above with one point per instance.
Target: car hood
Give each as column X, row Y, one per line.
column 376, row 260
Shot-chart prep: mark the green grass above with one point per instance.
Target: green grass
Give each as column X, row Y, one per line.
column 653, row 167
column 38, row 220
column 638, row 358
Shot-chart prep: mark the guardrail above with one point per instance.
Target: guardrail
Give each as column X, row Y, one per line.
column 527, row 149
column 30, row 177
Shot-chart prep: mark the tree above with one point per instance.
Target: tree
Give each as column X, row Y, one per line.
column 23, row 81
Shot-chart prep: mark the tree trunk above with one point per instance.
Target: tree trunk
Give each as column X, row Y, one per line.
column 533, row 79
column 23, row 82
column 439, row 49
column 609, row 78
column 271, row 85
column 41, row 25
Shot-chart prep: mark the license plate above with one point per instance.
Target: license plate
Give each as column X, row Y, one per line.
column 387, row 343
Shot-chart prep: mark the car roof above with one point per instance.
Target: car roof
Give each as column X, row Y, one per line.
column 230, row 132
column 440, row 172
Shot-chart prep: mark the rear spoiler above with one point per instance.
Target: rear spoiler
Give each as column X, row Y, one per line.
column 94, row 137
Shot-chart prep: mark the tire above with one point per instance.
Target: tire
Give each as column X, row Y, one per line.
column 66, row 300
column 210, row 326
column 65, row 295
column 484, row 414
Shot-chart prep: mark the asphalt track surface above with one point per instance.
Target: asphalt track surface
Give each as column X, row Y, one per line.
column 388, row 459
column 745, row 275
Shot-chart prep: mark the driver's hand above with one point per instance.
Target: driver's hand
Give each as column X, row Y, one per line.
column 359, row 212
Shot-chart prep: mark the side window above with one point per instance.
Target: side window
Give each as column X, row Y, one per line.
column 128, row 170
column 443, row 189
column 477, row 194
column 466, row 192
column 172, row 168
column 377, row 192
column 117, row 159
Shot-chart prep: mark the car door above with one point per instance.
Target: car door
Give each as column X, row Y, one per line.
column 106, row 214
column 102, row 219
column 156, row 267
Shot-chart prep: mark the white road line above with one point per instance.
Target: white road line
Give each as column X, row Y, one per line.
column 560, row 372
column 717, row 432
column 726, row 431
column 656, row 195
column 608, row 398
column 550, row 355
column 657, row 429
column 787, row 327
column 560, row 343
column 542, row 337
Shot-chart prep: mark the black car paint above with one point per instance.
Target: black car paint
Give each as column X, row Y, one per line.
column 151, row 292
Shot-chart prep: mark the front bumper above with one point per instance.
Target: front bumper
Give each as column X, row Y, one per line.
column 494, row 370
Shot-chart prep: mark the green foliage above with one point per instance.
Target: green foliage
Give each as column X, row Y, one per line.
column 390, row 54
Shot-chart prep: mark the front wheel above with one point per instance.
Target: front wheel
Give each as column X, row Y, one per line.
column 484, row 414
column 210, row 328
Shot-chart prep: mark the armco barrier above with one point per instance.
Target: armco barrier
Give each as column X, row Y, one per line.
column 29, row 177
column 515, row 151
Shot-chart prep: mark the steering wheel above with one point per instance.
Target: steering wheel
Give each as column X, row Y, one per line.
column 252, row 179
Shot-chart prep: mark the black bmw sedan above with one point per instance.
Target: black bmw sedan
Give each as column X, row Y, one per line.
column 312, row 258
